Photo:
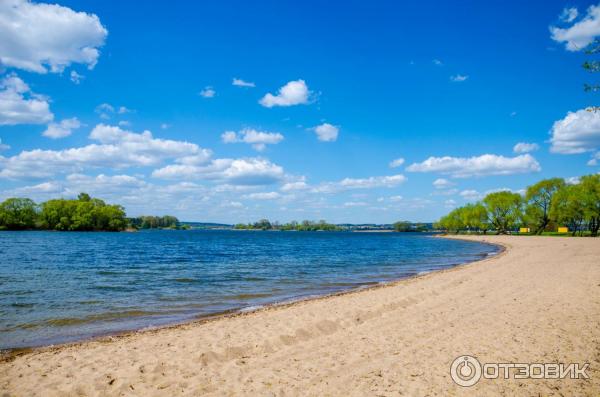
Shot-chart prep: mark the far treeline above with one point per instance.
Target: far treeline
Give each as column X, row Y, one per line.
column 546, row 206
column 82, row 214
column 304, row 226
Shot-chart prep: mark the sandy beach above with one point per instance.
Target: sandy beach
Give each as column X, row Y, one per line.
column 537, row 302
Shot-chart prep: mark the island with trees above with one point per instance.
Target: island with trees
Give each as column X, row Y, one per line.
column 82, row 214
column 304, row 226
column 546, row 206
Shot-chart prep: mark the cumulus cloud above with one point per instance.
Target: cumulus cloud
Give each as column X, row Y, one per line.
column 293, row 93
column 326, row 132
column 117, row 148
column 458, row 78
column 471, row 194
column 207, row 92
column 484, row 165
column 258, row 139
column 19, row 105
column 523, row 147
column 568, row 15
column 242, row 83
column 359, row 183
column 578, row 132
column 396, row 163
column 262, row 196
column 246, row 171
column 76, row 77
column 581, row 33
column 442, row 183
column 62, row 129
column 593, row 161
column 38, row 37
column 294, row 186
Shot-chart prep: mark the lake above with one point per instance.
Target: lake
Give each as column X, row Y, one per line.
column 64, row 286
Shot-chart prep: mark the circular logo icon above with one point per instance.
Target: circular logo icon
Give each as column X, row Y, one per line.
column 465, row 371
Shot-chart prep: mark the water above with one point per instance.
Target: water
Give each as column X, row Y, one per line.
column 59, row 287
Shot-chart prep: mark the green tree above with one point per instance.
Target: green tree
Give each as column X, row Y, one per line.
column 504, row 210
column 474, row 217
column 18, row 214
column 402, row 226
column 568, row 207
column 590, row 192
column 539, row 198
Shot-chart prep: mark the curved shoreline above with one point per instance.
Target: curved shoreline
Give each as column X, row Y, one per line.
column 11, row 353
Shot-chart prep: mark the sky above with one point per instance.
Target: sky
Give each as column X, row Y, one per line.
column 232, row 111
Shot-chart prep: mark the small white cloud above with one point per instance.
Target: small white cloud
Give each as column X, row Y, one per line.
column 62, row 129
column 262, row 196
column 242, row 83
column 258, row 139
column 396, row 163
column 523, row 147
column 326, row 132
column 19, row 105
column 124, row 110
column 442, row 183
column 484, row 165
column 164, row 126
column 293, row 93
column 568, row 15
column 458, row 78
column 105, row 110
column 594, row 160
column 578, row 132
column 450, row 203
column 437, row 62
column 76, row 77
column 471, row 194
column 38, row 37
column 513, row 114
column 294, row 186
column 580, row 34
column 3, row 146
column 207, row 92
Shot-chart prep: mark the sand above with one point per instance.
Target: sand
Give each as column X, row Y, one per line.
column 539, row 301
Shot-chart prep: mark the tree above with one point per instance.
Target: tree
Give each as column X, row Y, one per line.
column 18, row 214
column 539, row 198
column 504, row 210
column 475, row 217
column 590, row 192
column 402, row 226
column 568, row 207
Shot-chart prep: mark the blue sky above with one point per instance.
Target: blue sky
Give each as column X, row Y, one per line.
column 327, row 97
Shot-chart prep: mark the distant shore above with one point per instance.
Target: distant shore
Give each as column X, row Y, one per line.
column 537, row 302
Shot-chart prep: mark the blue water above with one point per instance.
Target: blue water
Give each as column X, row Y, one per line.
column 59, row 287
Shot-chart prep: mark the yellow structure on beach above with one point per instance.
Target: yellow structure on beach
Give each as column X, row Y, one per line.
column 563, row 229
column 524, row 230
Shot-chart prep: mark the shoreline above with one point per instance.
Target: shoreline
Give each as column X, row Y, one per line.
column 9, row 353
column 536, row 301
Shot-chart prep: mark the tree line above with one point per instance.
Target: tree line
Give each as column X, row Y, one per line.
column 546, row 205
column 82, row 214
column 304, row 226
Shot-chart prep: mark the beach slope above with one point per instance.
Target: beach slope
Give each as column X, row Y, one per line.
column 539, row 301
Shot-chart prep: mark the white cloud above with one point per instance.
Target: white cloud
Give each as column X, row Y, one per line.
column 396, row 163
column 208, row 92
column 359, row 183
column 262, row 196
column 580, row 34
column 523, row 147
column 164, row 126
column 124, row 110
column 242, row 83
column 326, row 132
column 437, row 62
column 247, row 171
column 105, row 110
column 293, row 93
column 471, row 194
column 568, row 15
column 458, row 78
column 355, row 204
column 62, row 129
column 18, row 105
column 76, row 77
column 450, row 203
column 294, row 186
column 39, row 36
column 117, row 149
column 484, row 165
column 396, row 198
column 594, row 160
column 578, row 132
column 258, row 139
column 3, row 146
column 442, row 183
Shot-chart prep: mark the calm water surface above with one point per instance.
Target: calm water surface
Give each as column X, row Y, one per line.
column 59, row 287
